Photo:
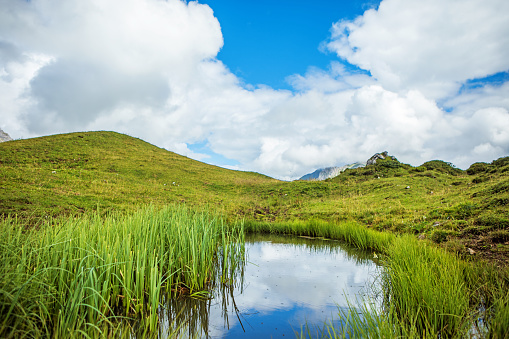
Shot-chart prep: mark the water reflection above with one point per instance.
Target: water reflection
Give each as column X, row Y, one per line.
column 287, row 282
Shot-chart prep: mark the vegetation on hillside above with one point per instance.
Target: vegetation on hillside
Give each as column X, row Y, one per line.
column 72, row 173
column 432, row 221
column 69, row 174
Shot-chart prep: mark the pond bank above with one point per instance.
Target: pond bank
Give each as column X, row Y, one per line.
column 428, row 292
column 87, row 275
column 91, row 274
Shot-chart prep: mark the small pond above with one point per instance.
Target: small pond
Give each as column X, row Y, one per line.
column 286, row 283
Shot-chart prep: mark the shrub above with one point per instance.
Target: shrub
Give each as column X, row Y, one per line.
column 478, row 167
column 476, row 230
column 499, row 202
column 494, row 221
column 463, row 211
column 389, row 164
column 480, row 179
column 439, row 236
column 442, row 166
column 501, row 162
column 501, row 187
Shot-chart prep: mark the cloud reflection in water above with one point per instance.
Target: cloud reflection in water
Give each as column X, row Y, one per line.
column 289, row 282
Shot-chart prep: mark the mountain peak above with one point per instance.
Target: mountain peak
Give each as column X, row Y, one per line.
column 4, row 136
column 329, row 172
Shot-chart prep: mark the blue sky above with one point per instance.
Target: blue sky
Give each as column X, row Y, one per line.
column 267, row 41
column 277, row 87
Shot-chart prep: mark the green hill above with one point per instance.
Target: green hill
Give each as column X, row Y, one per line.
column 465, row 211
column 67, row 275
column 72, row 173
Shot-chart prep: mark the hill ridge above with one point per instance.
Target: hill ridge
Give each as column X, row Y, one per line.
column 73, row 172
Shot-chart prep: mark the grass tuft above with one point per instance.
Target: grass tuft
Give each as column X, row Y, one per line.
column 80, row 275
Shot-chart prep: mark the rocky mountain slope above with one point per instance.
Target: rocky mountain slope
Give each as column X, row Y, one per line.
column 330, row 172
column 4, row 136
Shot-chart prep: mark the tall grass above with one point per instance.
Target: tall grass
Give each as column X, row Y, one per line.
column 430, row 293
column 425, row 288
column 85, row 275
column 425, row 291
column 349, row 231
column 422, row 294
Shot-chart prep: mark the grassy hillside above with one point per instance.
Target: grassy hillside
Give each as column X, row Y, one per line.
column 64, row 276
column 72, row 173
column 465, row 211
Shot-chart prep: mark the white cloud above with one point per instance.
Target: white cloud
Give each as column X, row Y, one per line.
column 477, row 98
column 107, row 55
column 148, row 68
column 335, row 79
column 16, row 72
column 432, row 46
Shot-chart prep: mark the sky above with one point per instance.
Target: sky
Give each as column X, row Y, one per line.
column 277, row 87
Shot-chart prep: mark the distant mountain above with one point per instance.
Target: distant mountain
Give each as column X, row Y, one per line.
column 330, row 172
column 4, row 136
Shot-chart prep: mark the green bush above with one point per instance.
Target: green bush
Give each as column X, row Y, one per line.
column 494, row 221
column 442, row 166
column 480, row 179
column 389, row 164
column 501, row 162
column 478, row 167
column 439, row 236
column 463, row 211
column 419, row 169
column 476, row 230
column 504, row 201
column 501, row 187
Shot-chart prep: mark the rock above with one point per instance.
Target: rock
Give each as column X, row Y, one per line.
column 379, row 156
column 4, row 136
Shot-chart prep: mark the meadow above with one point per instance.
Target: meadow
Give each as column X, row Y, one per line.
column 85, row 275
column 96, row 225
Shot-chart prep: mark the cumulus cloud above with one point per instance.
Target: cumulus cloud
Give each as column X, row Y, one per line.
column 16, row 72
column 149, row 68
column 432, row 46
column 336, row 78
column 106, row 55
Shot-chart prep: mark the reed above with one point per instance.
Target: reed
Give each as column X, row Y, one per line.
column 424, row 291
column 428, row 293
column 87, row 275
column 348, row 231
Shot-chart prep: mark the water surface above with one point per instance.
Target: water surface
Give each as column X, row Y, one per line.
column 286, row 283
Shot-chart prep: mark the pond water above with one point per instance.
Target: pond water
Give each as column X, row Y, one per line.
column 286, row 284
